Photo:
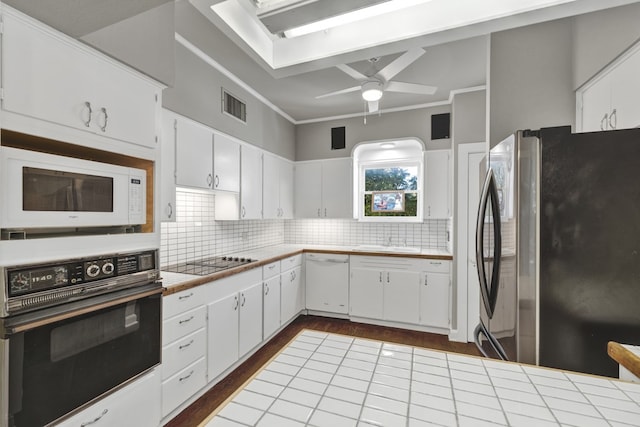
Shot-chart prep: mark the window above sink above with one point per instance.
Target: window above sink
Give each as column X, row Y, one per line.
column 388, row 178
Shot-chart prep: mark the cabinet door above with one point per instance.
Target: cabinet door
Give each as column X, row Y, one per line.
column 292, row 294
column 366, row 293
column 250, row 330
column 596, row 105
column 337, row 190
column 271, row 186
column 437, row 184
column 434, row 300
column 194, row 155
column 625, row 93
column 136, row 404
column 401, row 296
column 222, row 334
column 37, row 83
column 307, row 189
column 226, row 164
column 168, row 167
column 286, row 189
column 250, row 183
column 271, row 307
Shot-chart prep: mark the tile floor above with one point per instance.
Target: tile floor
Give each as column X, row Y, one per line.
column 323, row 379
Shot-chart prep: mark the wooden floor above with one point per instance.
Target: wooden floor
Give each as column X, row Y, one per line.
column 200, row 409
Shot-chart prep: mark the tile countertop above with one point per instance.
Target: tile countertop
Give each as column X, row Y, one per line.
column 176, row 282
column 322, row 379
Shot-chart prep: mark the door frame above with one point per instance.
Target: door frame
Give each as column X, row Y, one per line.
column 465, row 312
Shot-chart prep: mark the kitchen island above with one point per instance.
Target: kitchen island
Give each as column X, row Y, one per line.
column 323, row 379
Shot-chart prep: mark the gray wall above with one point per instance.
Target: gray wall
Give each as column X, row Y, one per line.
column 314, row 139
column 468, row 117
column 198, row 87
column 144, row 41
column 600, row 37
column 531, row 78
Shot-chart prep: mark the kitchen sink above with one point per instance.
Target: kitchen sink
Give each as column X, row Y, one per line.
column 387, row 249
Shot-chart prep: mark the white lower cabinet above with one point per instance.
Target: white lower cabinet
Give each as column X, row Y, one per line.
column 271, row 320
column 435, row 294
column 235, row 320
column 393, row 289
column 184, row 347
column 292, row 296
column 135, row 405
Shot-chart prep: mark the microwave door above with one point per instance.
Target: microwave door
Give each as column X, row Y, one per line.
column 488, row 244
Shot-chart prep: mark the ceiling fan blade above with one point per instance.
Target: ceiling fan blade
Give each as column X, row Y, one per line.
column 411, row 88
column 400, row 63
column 339, row 92
column 353, row 73
column 373, row 106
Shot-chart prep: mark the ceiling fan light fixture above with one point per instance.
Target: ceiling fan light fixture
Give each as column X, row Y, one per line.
column 372, row 91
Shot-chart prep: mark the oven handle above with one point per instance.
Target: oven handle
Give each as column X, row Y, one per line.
column 59, row 313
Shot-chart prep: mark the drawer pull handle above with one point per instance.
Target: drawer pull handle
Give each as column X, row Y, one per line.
column 186, row 345
column 186, row 320
column 271, row 267
column 95, row 420
column 88, row 105
column 266, row 289
column 186, row 377
column 185, row 296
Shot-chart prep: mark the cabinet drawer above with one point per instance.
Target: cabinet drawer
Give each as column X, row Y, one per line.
column 137, row 404
column 183, row 324
column 291, row 262
column 182, row 301
column 182, row 352
column 271, row 270
column 437, row 266
column 183, row 385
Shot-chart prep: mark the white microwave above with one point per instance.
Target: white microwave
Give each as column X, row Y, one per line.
column 40, row 190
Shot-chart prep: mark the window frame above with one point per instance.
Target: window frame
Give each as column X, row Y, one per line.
column 382, row 164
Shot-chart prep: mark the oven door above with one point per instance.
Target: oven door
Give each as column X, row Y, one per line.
column 60, row 359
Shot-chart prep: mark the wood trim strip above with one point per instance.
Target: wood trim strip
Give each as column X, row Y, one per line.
column 624, row 357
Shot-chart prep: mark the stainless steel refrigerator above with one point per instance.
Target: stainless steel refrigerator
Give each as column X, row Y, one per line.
column 558, row 248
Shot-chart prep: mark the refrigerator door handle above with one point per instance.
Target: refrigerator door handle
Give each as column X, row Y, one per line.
column 489, row 291
column 493, row 342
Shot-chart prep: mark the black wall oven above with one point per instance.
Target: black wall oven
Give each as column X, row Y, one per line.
column 61, row 356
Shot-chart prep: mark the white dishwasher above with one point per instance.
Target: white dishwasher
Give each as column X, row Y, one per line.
column 327, row 281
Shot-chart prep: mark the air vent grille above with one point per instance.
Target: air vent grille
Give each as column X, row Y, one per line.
column 234, row 107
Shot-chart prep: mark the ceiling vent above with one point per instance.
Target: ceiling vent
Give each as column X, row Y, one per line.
column 234, row 107
column 281, row 15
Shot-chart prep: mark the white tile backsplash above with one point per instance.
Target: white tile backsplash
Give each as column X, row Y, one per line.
column 196, row 234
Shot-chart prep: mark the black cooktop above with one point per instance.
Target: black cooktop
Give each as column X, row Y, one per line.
column 207, row 266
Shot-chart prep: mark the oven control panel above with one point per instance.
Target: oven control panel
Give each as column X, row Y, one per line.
column 30, row 279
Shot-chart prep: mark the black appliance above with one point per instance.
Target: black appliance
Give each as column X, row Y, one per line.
column 559, row 262
column 74, row 331
column 203, row 267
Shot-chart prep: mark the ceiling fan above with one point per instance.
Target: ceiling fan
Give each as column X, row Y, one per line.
column 372, row 87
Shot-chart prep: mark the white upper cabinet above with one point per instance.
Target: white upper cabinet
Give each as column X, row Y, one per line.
column 168, row 166
column 194, row 154
column 250, row 183
column 324, row 189
column 226, row 163
column 205, row 158
column 52, row 77
column 437, row 184
column 610, row 100
column 277, row 188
